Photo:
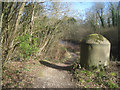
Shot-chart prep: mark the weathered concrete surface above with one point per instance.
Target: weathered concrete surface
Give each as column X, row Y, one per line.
column 95, row 50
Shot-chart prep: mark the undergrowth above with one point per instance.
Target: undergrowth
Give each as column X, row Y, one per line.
column 27, row 47
column 14, row 76
column 95, row 77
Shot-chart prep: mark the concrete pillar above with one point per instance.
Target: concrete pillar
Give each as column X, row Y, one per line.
column 95, row 51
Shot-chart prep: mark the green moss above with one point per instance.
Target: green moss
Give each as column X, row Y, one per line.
column 95, row 37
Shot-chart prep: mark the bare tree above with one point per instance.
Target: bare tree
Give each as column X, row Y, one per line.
column 12, row 12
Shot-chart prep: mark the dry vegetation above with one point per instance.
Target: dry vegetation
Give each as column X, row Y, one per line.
column 20, row 74
column 102, row 77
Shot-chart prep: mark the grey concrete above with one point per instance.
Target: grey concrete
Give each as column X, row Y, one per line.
column 95, row 51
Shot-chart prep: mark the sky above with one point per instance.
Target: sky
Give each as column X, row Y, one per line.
column 81, row 7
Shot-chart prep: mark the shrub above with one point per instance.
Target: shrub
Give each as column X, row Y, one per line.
column 27, row 47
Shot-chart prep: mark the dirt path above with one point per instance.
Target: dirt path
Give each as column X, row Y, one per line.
column 52, row 75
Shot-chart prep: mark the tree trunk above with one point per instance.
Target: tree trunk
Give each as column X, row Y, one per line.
column 32, row 22
column 108, row 22
column 113, row 14
column 101, row 17
column 11, row 38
